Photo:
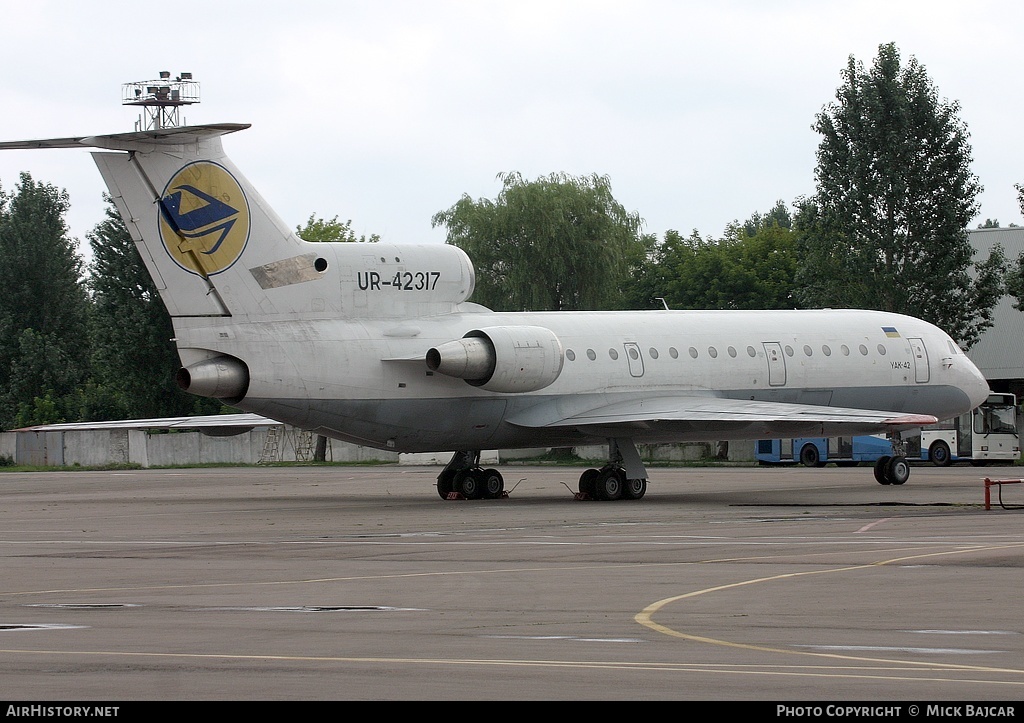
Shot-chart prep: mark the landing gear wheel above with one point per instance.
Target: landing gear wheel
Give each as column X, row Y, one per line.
column 880, row 470
column 588, row 482
column 445, row 484
column 493, row 483
column 898, row 470
column 809, row 456
column 634, row 489
column 608, row 485
column 469, row 484
column 939, row 454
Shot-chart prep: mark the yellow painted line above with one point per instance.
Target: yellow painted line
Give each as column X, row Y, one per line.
column 646, row 616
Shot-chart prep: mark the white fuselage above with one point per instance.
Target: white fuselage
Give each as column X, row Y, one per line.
column 365, row 380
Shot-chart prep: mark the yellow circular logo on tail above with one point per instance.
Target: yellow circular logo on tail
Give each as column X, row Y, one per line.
column 204, row 218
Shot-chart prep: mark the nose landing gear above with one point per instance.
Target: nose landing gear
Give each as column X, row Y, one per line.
column 894, row 469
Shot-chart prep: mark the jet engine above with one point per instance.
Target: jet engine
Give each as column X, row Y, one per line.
column 223, row 377
column 501, row 358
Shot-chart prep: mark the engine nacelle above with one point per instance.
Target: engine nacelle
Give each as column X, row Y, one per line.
column 501, row 358
column 223, row 377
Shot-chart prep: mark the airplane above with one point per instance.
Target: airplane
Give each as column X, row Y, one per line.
column 377, row 344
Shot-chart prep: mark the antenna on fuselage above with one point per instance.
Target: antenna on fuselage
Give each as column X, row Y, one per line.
column 161, row 100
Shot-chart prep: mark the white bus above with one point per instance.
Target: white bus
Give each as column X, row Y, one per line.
column 988, row 434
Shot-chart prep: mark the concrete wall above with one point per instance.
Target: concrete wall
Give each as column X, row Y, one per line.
column 162, row 449
column 262, row 444
column 96, row 447
column 181, row 448
column 272, row 444
column 8, row 444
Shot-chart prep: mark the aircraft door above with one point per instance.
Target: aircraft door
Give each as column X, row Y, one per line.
column 634, row 358
column 776, row 364
column 921, row 372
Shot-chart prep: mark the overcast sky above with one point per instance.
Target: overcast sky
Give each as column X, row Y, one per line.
column 386, row 112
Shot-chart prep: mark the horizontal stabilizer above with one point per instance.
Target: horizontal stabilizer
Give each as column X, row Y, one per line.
column 139, row 140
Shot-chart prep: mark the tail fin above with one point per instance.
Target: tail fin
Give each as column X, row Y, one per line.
column 192, row 214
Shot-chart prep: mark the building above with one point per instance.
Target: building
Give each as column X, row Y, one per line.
column 999, row 353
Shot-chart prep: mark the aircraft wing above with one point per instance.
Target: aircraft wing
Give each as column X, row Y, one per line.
column 685, row 416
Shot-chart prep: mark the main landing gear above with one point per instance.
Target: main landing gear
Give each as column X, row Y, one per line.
column 610, row 483
column 464, row 478
column 894, row 469
column 623, row 478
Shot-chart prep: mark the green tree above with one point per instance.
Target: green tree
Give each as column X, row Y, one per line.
column 134, row 358
column 1015, row 275
column 44, row 349
column 647, row 272
column 321, row 230
column 1015, row 282
column 556, row 243
column 779, row 216
column 751, row 267
column 887, row 227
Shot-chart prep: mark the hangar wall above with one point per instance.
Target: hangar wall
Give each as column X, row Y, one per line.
column 999, row 353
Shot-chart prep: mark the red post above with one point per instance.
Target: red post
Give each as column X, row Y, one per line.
column 990, row 482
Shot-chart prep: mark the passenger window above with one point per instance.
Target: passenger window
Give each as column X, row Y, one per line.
column 751, row 352
column 591, row 355
column 863, row 350
column 693, row 352
column 789, row 351
column 807, row 350
column 613, row 354
column 881, row 349
column 653, row 352
column 732, row 352
column 673, row 352
column 570, row 355
column 826, row 350
column 713, row 352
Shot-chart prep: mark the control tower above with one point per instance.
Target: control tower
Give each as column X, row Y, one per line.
column 161, row 100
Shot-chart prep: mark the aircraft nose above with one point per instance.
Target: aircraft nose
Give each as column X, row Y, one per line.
column 976, row 385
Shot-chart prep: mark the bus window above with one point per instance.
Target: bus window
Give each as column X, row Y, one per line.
column 995, row 420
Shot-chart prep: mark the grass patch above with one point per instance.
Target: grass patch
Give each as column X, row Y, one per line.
column 113, row 467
